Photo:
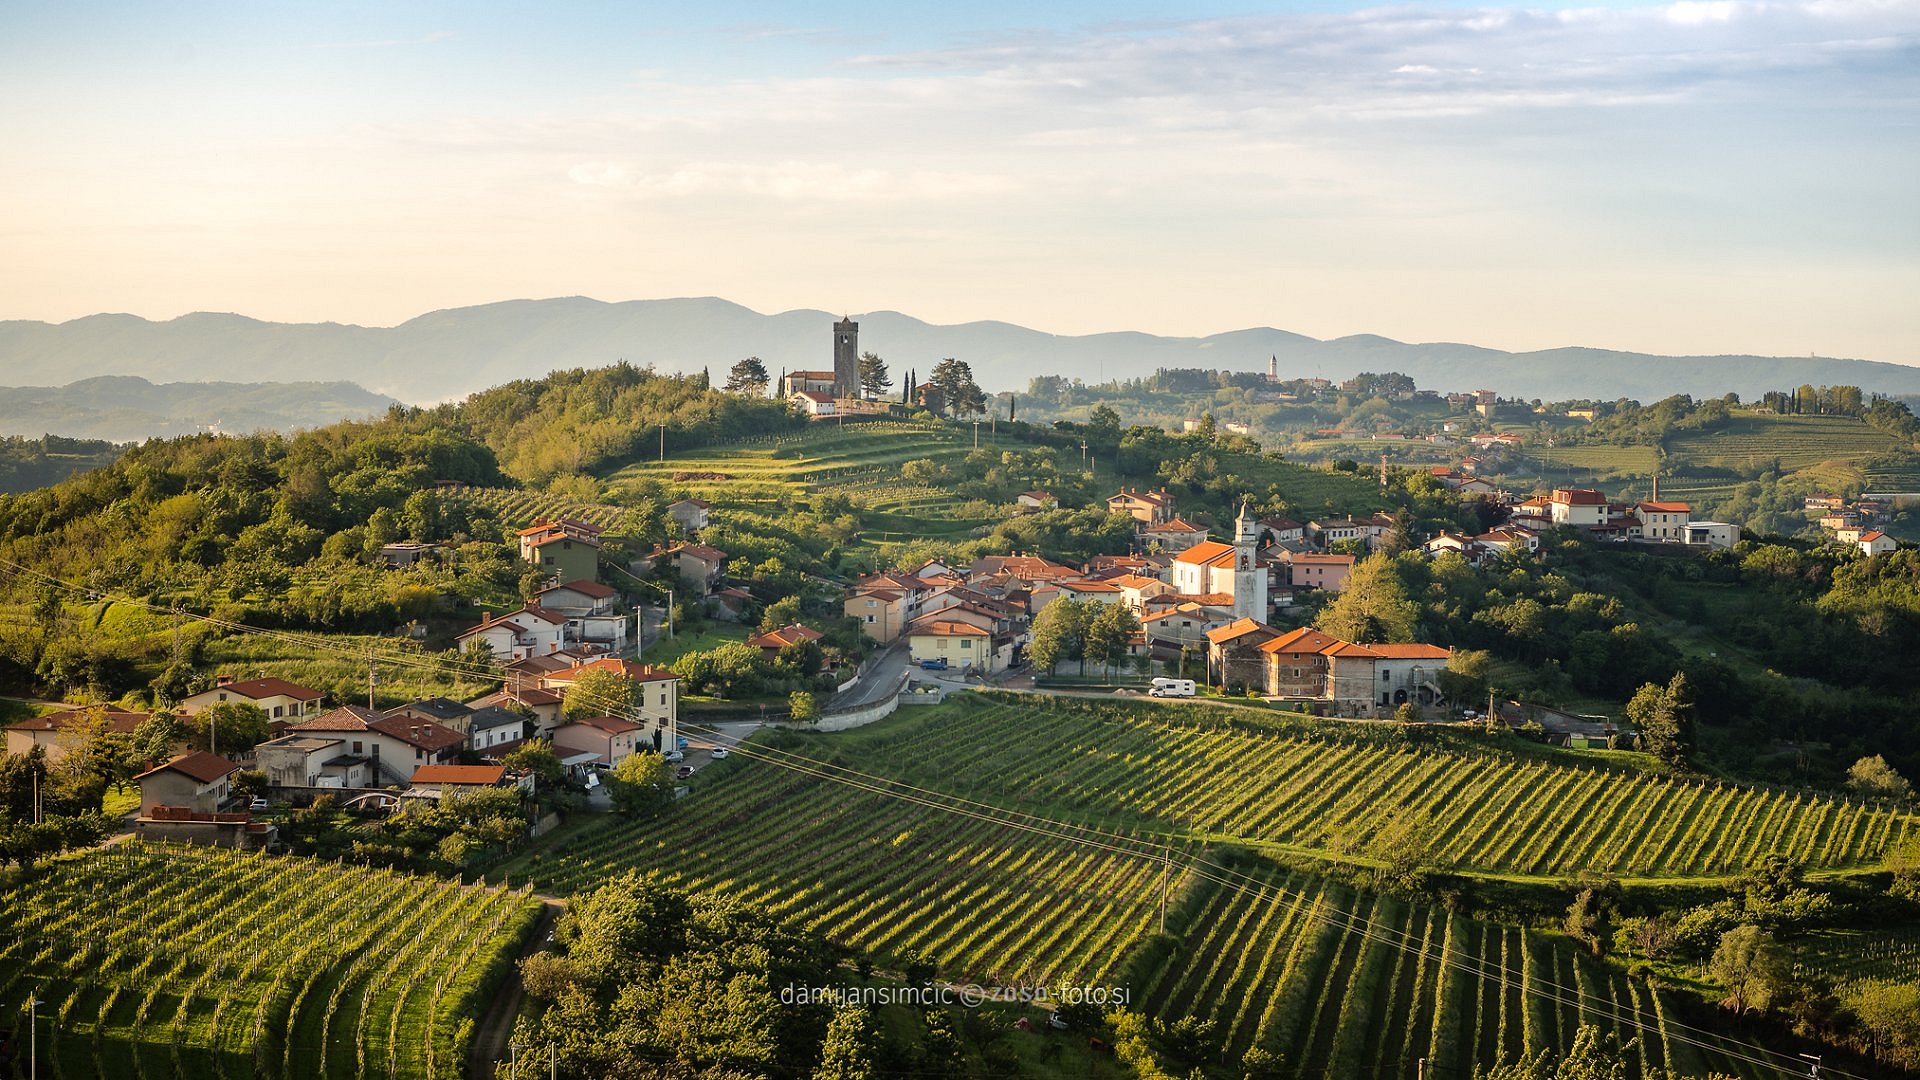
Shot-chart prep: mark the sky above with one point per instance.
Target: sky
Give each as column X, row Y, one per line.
column 1703, row 176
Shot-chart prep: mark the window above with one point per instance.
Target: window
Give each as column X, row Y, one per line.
column 356, row 746
column 869, row 620
column 279, row 710
column 1386, row 676
column 966, row 643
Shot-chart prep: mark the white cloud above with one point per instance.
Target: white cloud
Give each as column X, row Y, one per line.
column 793, row 181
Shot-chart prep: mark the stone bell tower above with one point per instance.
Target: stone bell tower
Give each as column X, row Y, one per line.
column 846, row 358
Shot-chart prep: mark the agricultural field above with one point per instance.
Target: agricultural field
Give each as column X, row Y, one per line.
column 1326, row 791
column 518, row 509
column 1347, row 983
column 861, row 460
column 1336, row 980
column 1859, row 955
column 153, row 960
column 883, row 875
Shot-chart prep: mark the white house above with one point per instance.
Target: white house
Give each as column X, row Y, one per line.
column 1716, row 534
column 1874, row 542
column 1664, row 522
column 690, row 514
column 1578, row 507
column 320, row 761
column 531, row 631
column 278, row 698
column 592, row 610
column 813, row 402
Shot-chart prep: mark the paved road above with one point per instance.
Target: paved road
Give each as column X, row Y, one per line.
column 877, row 682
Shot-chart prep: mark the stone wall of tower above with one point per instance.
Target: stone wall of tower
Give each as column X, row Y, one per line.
column 846, row 359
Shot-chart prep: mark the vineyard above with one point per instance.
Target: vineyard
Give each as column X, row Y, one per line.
column 518, row 509
column 1849, row 956
column 154, row 961
column 886, row 876
column 1343, row 983
column 1326, row 791
column 1337, row 981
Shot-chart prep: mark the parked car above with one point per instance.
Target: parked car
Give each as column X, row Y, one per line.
column 720, row 752
column 684, row 772
column 679, row 742
column 938, row 663
column 674, row 756
column 257, row 803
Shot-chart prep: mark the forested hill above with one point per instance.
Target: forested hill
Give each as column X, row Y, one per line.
column 268, row 501
column 124, row 408
column 444, row 354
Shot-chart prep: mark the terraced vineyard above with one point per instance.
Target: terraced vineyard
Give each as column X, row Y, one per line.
column 1342, row 983
column 518, row 509
column 160, row 961
column 862, row 460
column 1313, row 789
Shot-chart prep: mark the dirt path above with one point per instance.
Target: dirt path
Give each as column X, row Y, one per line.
column 495, row 1029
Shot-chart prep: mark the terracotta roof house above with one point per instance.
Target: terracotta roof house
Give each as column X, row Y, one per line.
column 771, row 642
column 196, row 781
column 278, row 698
column 60, row 732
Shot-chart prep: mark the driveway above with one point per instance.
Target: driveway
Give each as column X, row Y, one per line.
column 878, row 681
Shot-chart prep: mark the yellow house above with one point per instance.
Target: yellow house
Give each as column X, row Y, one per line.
column 959, row 644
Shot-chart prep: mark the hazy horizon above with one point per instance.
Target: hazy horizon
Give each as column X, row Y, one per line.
column 1702, row 177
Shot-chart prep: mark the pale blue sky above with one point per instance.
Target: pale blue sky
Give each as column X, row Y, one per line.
column 1702, row 176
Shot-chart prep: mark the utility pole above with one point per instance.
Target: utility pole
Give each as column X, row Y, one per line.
column 176, row 635
column 1420, row 1069
column 373, row 678
column 1166, row 871
column 553, row 1062
column 976, row 434
column 663, row 443
column 33, row 1035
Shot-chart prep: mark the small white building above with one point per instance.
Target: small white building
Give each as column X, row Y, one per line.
column 278, row 698
column 813, row 402
column 1714, row 534
column 1874, row 542
column 531, row 631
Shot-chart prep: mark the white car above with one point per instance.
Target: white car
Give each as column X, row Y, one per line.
column 674, row 756
column 720, row 752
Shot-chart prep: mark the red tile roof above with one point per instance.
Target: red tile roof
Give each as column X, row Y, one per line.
column 482, row 775
column 199, row 765
column 1239, row 628
column 1206, row 553
column 118, row 720
column 424, row 734
column 790, row 634
column 269, row 687
column 1304, row 640
column 1667, row 507
column 1412, row 651
column 944, row 628
column 344, row 718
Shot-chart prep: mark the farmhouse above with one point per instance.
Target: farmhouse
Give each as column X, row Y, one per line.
column 279, row 698
column 58, row 733
column 1148, row 507
column 1874, row 542
column 690, row 514
column 700, row 566
column 609, row 739
column 531, row 631
column 568, row 549
column 771, row 642
column 195, row 781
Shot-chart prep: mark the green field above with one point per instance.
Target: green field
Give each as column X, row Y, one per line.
column 1706, row 468
column 160, row 961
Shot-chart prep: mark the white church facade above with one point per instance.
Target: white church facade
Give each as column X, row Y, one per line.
column 1213, row 568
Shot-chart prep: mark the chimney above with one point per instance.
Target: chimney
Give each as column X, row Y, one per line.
column 486, row 617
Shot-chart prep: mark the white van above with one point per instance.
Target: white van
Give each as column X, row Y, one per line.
column 1172, row 688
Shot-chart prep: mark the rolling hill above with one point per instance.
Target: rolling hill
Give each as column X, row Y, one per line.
column 447, row 354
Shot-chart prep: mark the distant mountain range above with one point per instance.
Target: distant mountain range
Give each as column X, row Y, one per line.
column 448, row 354
column 127, row 408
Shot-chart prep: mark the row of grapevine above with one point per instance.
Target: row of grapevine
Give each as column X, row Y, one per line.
column 166, row 961
column 1327, row 790
column 984, row 900
column 1340, row 983
column 517, row 509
